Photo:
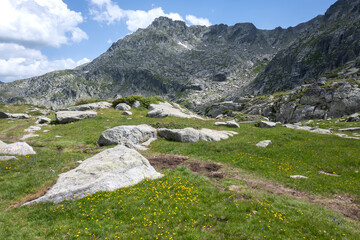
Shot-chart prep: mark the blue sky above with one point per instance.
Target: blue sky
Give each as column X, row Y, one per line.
column 38, row 36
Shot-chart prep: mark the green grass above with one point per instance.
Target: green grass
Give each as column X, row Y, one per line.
column 181, row 205
column 145, row 101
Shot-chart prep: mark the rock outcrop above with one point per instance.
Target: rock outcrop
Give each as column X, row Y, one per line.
column 19, row 148
column 107, row 171
column 130, row 136
column 122, row 107
column 72, row 116
column 264, row 143
column 89, row 106
column 194, row 135
column 14, row 115
column 164, row 109
column 231, row 124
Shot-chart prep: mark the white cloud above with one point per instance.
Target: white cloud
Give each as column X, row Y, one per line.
column 197, row 21
column 19, row 62
column 39, row 23
column 109, row 12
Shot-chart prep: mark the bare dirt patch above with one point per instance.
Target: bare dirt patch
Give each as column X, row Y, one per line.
column 168, row 161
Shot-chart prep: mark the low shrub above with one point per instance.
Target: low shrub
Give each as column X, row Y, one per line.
column 145, row 101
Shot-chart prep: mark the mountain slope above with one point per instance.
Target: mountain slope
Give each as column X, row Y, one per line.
column 332, row 41
column 168, row 59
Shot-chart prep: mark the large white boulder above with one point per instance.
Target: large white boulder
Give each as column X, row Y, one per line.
column 89, row 106
column 194, row 135
column 19, row 148
column 129, row 136
column 264, row 143
column 109, row 170
column 72, row 116
column 164, row 109
column 231, row 124
column 267, row 124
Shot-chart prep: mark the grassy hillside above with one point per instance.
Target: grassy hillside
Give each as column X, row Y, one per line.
column 248, row 200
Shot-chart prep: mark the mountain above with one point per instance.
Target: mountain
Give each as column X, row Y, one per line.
column 331, row 41
column 199, row 65
column 195, row 64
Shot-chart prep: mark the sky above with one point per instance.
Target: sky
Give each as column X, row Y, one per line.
column 39, row 36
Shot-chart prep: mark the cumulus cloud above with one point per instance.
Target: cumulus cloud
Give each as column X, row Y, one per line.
column 39, row 23
column 109, row 12
column 19, row 62
column 197, row 21
column 28, row 25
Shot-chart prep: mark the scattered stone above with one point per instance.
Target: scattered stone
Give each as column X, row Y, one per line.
column 164, row 109
column 354, row 118
column 349, row 129
column 231, row 124
column 30, row 135
column 194, row 135
column 129, row 136
column 109, row 170
column 45, row 131
column 19, row 148
column 267, row 124
column 328, row 173
column 57, row 136
column 298, row 177
column 136, row 104
column 42, row 120
column 122, row 107
column 264, row 143
column 72, row 116
column 127, row 113
column 79, row 162
column 220, row 116
column 89, row 106
column 33, row 129
column 309, row 129
column 4, row 115
column 7, row 158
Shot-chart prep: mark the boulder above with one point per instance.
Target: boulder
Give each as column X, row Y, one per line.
column 209, row 135
column 7, row 158
column 42, row 120
column 136, row 104
column 72, row 116
column 231, row 124
column 89, row 106
column 164, row 109
column 127, row 113
column 129, row 136
column 298, row 177
column 122, row 107
column 109, row 170
column 14, row 115
column 354, row 118
column 266, row 124
column 264, row 143
column 194, row 135
column 180, row 135
column 19, row 148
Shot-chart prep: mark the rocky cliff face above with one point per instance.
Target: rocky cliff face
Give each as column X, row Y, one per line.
column 329, row 42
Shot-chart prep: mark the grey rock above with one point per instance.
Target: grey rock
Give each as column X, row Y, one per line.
column 129, row 136
column 72, row 116
column 264, row 143
column 329, row 174
column 353, row 118
column 267, row 124
column 209, row 135
column 298, row 177
column 89, row 106
column 42, row 120
column 109, row 170
column 164, row 109
column 7, row 158
column 14, row 115
column 349, row 129
column 122, row 107
column 231, row 124
column 127, row 113
column 19, row 148
column 180, row 135
column 136, row 104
